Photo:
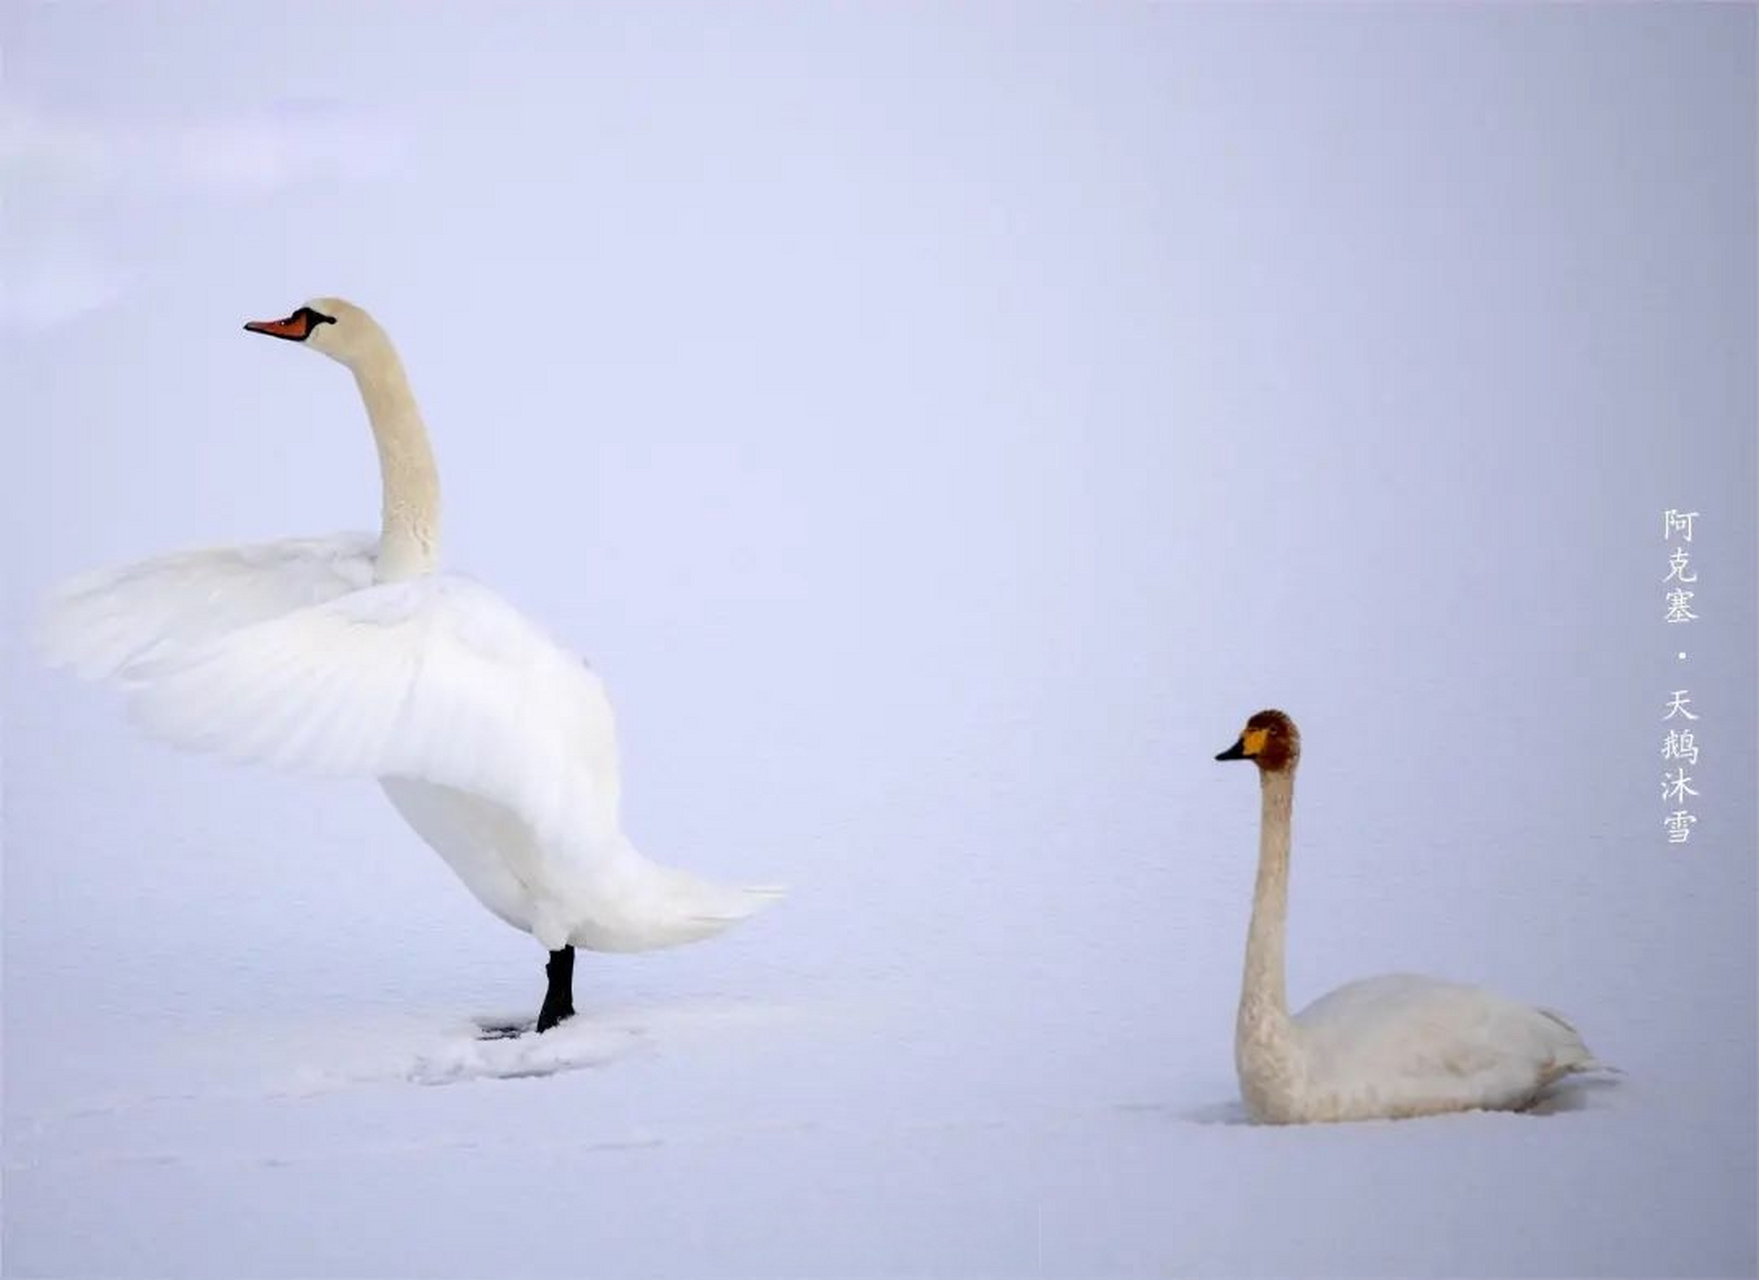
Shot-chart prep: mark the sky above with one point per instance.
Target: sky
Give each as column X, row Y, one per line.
column 941, row 428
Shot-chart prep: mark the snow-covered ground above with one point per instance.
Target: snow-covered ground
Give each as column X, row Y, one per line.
column 218, row 1114
column 941, row 432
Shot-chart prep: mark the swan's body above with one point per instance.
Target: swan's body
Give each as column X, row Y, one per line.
column 1383, row 1048
column 355, row 655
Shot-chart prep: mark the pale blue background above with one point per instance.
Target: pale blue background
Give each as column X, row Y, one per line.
column 941, row 428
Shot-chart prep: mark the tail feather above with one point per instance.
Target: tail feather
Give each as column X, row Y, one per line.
column 738, row 904
column 1573, row 1056
column 658, row 906
column 744, row 902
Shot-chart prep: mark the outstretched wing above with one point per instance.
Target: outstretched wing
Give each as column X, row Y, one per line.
column 101, row 622
column 437, row 679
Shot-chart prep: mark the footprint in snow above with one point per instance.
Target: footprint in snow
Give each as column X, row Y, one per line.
column 502, row 1049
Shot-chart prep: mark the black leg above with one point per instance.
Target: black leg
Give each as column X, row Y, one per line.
column 559, row 999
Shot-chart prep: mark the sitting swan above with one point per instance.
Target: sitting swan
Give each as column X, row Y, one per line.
column 353, row 655
column 1382, row 1048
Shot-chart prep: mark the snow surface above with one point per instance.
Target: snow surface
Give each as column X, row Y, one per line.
column 941, row 430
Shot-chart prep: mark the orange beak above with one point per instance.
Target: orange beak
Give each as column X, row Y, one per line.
column 295, row 328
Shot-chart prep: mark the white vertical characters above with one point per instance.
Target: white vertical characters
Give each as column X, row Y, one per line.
column 1679, row 745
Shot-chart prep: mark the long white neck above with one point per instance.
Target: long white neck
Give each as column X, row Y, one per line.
column 409, row 543
column 1267, row 1054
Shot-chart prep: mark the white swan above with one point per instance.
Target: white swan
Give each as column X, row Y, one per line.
column 1387, row 1047
column 354, row 655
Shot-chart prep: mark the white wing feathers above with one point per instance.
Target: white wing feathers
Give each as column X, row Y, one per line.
column 1407, row 1037
column 100, row 622
column 437, row 679
column 287, row 653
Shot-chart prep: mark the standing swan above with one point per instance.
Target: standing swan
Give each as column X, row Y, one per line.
column 1382, row 1048
column 356, row 656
